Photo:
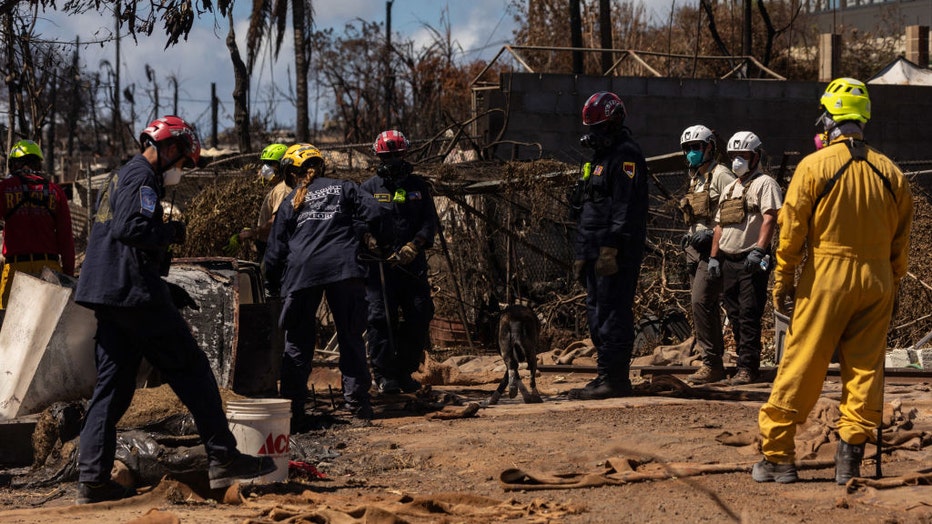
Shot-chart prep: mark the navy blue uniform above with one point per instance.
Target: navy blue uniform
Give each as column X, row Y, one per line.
column 613, row 214
column 121, row 281
column 412, row 217
column 312, row 252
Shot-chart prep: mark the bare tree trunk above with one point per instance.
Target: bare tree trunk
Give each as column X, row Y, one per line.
column 298, row 14
column 605, row 33
column 71, row 120
column 576, row 36
column 12, row 80
column 240, row 91
column 117, row 126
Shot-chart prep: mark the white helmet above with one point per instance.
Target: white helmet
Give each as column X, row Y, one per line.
column 744, row 141
column 697, row 133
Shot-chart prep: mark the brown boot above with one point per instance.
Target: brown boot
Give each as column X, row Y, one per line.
column 706, row 374
column 743, row 376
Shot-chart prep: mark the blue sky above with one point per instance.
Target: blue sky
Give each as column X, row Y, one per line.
column 481, row 27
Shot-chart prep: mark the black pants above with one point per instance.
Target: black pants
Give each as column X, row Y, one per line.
column 160, row 334
column 399, row 352
column 609, row 302
column 347, row 301
column 745, row 296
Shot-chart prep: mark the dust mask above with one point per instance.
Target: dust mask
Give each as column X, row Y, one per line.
column 267, row 172
column 172, row 176
column 739, row 166
column 695, row 158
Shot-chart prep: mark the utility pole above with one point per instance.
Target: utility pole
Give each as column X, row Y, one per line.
column 747, row 27
column 389, row 77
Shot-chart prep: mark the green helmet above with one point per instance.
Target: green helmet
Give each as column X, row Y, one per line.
column 847, row 99
column 273, row 153
column 24, row 149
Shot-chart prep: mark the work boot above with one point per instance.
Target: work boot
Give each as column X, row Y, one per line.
column 742, row 377
column 848, row 461
column 766, row 471
column 361, row 410
column 91, row 492
column 389, row 386
column 409, row 385
column 600, row 388
column 706, row 374
column 240, row 467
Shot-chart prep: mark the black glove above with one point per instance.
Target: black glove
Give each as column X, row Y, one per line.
column 701, row 240
column 179, row 232
column 752, row 262
column 686, row 241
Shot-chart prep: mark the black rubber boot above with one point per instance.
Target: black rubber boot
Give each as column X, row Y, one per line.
column 848, row 461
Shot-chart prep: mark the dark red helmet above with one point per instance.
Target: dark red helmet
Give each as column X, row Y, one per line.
column 390, row 142
column 171, row 126
column 603, row 107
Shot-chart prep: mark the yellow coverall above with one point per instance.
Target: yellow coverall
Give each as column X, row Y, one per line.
column 856, row 240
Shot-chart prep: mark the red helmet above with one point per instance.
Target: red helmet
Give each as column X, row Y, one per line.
column 390, row 142
column 603, row 107
column 171, row 126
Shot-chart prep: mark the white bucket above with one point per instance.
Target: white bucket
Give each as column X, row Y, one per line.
column 781, row 324
column 261, row 427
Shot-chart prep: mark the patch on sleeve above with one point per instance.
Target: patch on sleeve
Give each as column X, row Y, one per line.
column 383, row 197
column 597, row 171
column 148, row 199
column 630, row 168
column 414, row 195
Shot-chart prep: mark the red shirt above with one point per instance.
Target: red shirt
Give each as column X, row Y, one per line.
column 37, row 219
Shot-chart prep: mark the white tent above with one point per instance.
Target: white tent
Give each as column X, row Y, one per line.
column 904, row 73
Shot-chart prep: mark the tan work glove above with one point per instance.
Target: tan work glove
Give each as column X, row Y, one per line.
column 784, row 292
column 578, row 266
column 607, row 263
column 370, row 242
column 405, row 254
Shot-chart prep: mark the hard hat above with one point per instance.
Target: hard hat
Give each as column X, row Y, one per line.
column 296, row 156
column 847, row 99
column 273, row 153
column 171, row 126
column 603, row 107
column 24, row 149
column 697, row 133
column 744, row 141
column 390, row 143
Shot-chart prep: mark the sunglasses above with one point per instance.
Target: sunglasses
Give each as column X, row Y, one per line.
column 695, row 146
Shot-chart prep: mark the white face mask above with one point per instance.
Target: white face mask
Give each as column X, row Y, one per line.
column 739, row 166
column 267, row 172
column 172, row 176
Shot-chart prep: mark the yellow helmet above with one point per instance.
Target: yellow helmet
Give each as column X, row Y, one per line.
column 847, row 99
column 298, row 154
column 25, row 152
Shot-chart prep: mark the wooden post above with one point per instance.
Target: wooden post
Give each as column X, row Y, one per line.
column 213, row 114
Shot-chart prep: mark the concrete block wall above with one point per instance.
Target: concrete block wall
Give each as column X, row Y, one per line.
column 901, row 358
column 547, row 109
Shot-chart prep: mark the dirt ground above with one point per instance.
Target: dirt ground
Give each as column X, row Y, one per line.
column 415, row 463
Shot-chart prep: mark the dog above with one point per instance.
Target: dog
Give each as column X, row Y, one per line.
column 518, row 339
